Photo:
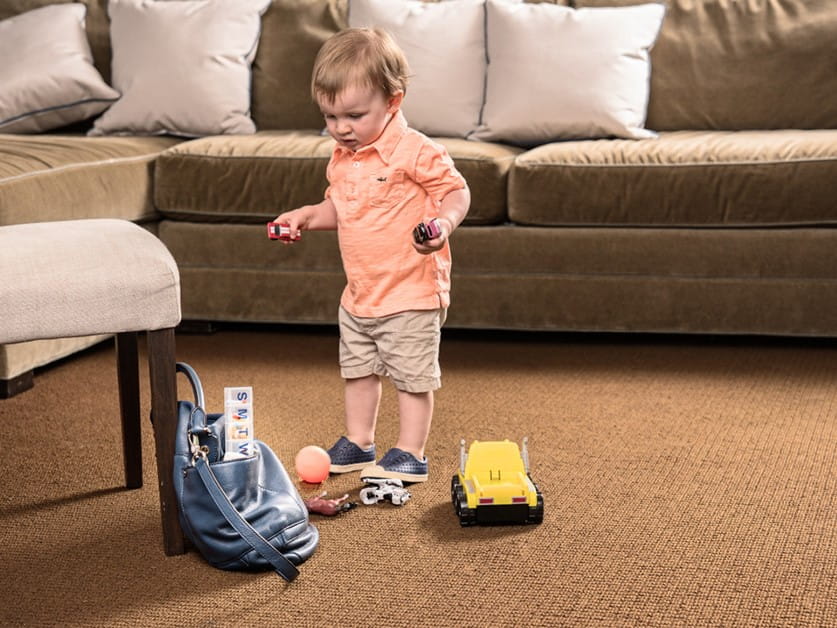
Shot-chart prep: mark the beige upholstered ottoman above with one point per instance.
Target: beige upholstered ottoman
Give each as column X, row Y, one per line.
column 84, row 277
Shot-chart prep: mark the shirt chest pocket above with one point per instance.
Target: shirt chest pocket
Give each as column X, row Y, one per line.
column 386, row 189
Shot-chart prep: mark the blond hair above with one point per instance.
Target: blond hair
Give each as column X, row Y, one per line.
column 359, row 57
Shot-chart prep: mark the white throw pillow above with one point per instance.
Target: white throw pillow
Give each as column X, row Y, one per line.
column 560, row 73
column 183, row 66
column 47, row 78
column 445, row 46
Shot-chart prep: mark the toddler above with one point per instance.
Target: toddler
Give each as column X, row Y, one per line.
column 384, row 178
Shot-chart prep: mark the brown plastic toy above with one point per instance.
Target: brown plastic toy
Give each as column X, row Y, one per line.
column 329, row 507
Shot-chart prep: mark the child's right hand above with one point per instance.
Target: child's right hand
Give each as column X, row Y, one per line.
column 319, row 217
column 297, row 220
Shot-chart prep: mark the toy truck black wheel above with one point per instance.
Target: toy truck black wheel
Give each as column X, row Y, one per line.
column 536, row 513
column 454, row 484
column 467, row 516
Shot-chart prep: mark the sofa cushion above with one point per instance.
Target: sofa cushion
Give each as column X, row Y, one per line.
column 760, row 64
column 556, row 73
column 253, row 178
column 292, row 33
column 183, row 68
column 257, row 177
column 443, row 98
column 96, row 23
column 486, row 167
column 52, row 81
column 685, row 178
column 63, row 177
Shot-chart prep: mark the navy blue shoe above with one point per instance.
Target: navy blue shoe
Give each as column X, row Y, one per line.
column 346, row 456
column 397, row 464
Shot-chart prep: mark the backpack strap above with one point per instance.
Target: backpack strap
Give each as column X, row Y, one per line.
column 282, row 565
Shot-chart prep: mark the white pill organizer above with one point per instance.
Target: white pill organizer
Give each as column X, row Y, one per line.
column 238, row 428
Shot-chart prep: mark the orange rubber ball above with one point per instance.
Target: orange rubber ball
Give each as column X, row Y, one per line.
column 312, row 464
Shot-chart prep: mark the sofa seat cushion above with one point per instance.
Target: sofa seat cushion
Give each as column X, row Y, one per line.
column 64, row 177
column 681, row 179
column 242, row 178
column 486, row 167
column 256, row 177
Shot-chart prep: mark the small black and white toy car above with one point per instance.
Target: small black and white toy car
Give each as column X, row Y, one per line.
column 380, row 489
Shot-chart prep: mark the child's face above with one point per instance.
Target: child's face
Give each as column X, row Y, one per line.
column 358, row 115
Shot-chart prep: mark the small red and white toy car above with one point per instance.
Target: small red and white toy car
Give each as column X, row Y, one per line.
column 277, row 231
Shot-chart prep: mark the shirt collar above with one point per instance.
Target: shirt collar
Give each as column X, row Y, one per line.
column 388, row 140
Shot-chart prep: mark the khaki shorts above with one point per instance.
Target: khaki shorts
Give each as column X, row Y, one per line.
column 403, row 346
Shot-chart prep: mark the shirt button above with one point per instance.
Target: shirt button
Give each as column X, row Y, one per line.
column 356, row 164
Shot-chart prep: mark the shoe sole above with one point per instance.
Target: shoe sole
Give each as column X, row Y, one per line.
column 347, row 468
column 376, row 471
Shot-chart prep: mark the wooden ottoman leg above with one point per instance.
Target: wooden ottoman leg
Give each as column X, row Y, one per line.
column 11, row 387
column 161, row 361
column 127, row 373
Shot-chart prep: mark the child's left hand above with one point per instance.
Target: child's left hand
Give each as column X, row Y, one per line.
column 431, row 246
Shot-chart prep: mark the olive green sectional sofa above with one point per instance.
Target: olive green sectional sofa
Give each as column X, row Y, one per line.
column 724, row 223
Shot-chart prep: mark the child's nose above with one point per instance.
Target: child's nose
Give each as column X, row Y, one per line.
column 343, row 127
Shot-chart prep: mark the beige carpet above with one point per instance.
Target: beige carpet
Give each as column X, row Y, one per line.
column 687, row 481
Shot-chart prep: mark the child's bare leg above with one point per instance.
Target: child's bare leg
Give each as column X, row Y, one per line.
column 416, row 413
column 363, row 396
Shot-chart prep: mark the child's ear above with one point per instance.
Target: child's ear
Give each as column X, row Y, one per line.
column 394, row 102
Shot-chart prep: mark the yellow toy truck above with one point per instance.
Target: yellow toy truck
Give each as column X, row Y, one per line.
column 493, row 485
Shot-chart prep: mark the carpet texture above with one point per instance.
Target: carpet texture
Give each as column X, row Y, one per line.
column 687, row 481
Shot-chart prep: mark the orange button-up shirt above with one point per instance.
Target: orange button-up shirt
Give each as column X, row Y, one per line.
column 381, row 192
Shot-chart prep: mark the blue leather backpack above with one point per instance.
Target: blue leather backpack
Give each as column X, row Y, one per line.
column 241, row 514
